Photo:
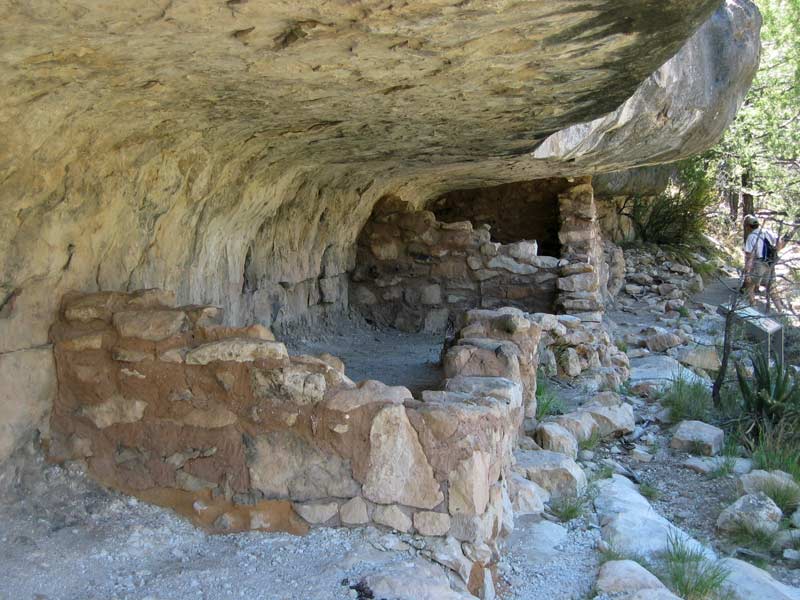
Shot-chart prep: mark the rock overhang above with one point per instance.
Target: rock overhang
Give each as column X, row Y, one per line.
column 173, row 146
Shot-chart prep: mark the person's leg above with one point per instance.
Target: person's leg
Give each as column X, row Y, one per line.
column 772, row 290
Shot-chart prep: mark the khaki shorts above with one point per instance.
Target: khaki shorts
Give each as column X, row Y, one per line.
column 759, row 274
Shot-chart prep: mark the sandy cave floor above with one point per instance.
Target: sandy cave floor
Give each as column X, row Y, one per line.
column 388, row 355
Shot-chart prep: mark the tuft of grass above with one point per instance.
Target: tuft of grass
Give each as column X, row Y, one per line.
column 754, row 539
column 604, row 472
column 724, row 467
column 688, row 401
column 690, row 574
column 622, row 345
column 568, row 508
column 612, row 553
column 591, row 442
column 649, row 491
column 786, row 496
column 683, row 311
column 777, row 448
column 547, row 402
column 696, row 448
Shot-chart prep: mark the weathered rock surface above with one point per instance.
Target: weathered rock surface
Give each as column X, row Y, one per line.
column 164, row 168
column 553, row 471
column 752, row 512
column 746, row 581
column 398, row 468
column 697, row 437
column 631, row 526
column 626, row 576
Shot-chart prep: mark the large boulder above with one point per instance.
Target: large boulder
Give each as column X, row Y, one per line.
column 558, row 474
column 752, row 512
column 698, row 438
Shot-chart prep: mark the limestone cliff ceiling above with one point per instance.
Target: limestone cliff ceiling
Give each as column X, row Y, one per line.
column 350, row 81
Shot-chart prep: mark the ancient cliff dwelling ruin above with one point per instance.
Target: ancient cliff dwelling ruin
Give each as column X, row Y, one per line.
column 202, row 201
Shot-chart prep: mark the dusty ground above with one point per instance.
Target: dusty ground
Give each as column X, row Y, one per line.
column 393, row 357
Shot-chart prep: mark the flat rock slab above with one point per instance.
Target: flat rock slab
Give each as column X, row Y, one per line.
column 659, row 371
column 537, row 541
column 698, row 437
column 748, row 582
column 708, row 464
column 631, row 526
column 558, row 474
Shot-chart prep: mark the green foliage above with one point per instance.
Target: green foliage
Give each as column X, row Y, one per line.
column 760, row 150
column 773, row 394
column 776, row 447
column 547, row 401
column 690, row 574
column 591, row 442
column 568, row 508
column 749, row 537
column 648, row 491
column 688, row 400
column 679, row 215
column 604, row 472
column 786, row 496
column 724, row 467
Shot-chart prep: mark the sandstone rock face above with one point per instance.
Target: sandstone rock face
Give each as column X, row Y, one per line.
column 163, row 168
column 555, row 472
column 285, row 466
column 698, row 437
column 753, row 512
column 398, row 469
column 221, row 418
column 626, row 576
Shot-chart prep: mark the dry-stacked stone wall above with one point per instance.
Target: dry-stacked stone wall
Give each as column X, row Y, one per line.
column 583, row 272
column 416, row 273
column 225, row 426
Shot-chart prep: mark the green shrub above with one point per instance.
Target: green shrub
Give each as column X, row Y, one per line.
column 648, row 491
column 690, row 574
column 547, row 402
column 688, row 400
column 754, row 539
column 568, row 508
column 591, row 442
column 773, row 393
column 678, row 215
column 786, row 496
column 776, row 447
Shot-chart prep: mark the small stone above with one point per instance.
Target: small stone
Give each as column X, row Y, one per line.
column 392, row 516
column 552, row 436
column 354, row 512
column 317, row 513
column 431, row 523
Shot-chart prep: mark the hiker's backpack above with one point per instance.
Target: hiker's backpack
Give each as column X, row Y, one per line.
column 769, row 253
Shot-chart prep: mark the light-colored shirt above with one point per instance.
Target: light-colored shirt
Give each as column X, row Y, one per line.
column 755, row 242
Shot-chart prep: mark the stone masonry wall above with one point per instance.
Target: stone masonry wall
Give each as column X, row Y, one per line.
column 584, row 273
column 416, row 273
column 223, row 425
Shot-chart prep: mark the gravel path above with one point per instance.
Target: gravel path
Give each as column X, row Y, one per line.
column 64, row 538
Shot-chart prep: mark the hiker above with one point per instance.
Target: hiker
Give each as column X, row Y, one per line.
column 760, row 254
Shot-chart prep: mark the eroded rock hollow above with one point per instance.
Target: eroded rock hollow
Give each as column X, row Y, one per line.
column 285, row 162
